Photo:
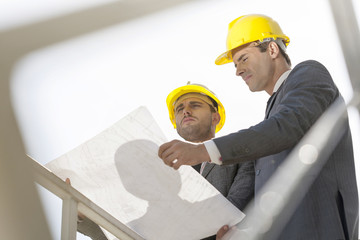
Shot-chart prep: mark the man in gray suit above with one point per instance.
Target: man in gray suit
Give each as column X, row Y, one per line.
column 197, row 114
column 299, row 96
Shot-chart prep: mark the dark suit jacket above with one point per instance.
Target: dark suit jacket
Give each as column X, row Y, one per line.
column 235, row 181
column 329, row 210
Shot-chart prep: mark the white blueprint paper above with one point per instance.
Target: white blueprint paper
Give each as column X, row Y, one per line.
column 120, row 171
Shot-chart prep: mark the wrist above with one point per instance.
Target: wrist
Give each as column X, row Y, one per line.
column 213, row 152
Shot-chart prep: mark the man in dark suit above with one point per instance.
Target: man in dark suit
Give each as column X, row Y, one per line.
column 197, row 114
column 299, row 96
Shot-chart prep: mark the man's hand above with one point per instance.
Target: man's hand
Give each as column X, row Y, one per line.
column 177, row 153
column 222, row 232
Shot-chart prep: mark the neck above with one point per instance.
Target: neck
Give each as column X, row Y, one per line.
column 211, row 136
column 277, row 74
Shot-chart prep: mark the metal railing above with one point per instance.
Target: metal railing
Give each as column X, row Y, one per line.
column 74, row 201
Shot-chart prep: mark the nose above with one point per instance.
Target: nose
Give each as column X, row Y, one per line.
column 239, row 70
column 186, row 110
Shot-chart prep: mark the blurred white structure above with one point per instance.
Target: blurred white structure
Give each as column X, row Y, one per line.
column 77, row 67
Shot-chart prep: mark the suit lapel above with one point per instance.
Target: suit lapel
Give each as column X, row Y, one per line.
column 270, row 104
column 207, row 169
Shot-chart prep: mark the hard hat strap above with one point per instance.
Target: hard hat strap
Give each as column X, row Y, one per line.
column 279, row 42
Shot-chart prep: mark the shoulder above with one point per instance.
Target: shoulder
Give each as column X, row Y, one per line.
column 309, row 63
column 310, row 72
column 308, row 66
column 310, row 78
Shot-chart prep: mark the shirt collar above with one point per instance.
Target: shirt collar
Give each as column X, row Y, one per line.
column 282, row 79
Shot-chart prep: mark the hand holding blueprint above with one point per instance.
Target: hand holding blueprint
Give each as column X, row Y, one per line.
column 120, row 171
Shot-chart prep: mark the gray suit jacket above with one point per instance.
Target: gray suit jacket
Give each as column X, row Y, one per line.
column 329, row 210
column 235, row 181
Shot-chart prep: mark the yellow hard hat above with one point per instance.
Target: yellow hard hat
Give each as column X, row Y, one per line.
column 247, row 29
column 194, row 88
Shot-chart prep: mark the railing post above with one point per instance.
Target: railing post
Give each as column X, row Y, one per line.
column 69, row 219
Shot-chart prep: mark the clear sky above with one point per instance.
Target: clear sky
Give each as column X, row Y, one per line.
column 69, row 92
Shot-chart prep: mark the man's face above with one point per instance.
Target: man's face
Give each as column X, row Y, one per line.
column 195, row 121
column 256, row 68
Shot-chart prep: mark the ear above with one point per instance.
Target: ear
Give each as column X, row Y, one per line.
column 274, row 50
column 215, row 118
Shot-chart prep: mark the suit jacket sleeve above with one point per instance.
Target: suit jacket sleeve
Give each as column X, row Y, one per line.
column 308, row 91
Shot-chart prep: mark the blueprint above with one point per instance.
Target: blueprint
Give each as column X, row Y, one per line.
column 119, row 170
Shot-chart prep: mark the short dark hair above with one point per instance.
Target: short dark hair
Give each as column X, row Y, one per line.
column 264, row 45
column 215, row 105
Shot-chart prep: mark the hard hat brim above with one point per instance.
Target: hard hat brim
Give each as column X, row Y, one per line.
column 224, row 58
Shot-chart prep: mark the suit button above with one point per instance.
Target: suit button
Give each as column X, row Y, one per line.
column 247, row 150
column 258, row 172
